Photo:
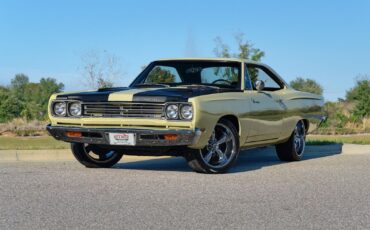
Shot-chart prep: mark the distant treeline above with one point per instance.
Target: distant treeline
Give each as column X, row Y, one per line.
column 28, row 101
column 25, row 99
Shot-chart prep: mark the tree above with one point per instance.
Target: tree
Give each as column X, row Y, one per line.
column 360, row 94
column 100, row 70
column 246, row 49
column 306, row 85
column 18, row 85
column 10, row 106
column 159, row 75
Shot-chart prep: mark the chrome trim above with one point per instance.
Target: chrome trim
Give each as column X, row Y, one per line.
column 123, row 109
column 197, row 135
column 100, row 136
column 157, row 108
column 162, row 116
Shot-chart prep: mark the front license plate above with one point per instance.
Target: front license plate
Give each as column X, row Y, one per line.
column 122, row 139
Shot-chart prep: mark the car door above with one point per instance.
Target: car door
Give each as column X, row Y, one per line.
column 267, row 109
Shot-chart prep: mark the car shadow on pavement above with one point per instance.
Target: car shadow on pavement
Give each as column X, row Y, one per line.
column 249, row 160
column 254, row 159
column 161, row 164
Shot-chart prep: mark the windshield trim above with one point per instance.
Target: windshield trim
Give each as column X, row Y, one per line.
column 140, row 78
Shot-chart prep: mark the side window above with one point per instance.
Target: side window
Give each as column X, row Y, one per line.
column 163, row 74
column 256, row 73
column 247, row 79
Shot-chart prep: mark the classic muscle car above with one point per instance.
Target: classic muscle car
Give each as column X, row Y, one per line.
column 205, row 110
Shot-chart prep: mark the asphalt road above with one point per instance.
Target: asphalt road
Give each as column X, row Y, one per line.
column 325, row 191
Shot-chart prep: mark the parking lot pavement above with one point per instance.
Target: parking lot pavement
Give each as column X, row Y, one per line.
column 325, row 190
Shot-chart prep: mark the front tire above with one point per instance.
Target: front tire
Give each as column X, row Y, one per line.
column 93, row 156
column 293, row 149
column 220, row 153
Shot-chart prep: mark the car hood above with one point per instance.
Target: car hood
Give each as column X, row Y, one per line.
column 170, row 94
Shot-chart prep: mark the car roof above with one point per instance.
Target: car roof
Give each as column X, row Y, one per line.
column 210, row 59
column 228, row 59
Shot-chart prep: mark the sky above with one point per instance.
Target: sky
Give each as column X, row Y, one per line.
column 328, row 41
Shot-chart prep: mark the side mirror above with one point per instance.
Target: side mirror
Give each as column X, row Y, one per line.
column 260, row 85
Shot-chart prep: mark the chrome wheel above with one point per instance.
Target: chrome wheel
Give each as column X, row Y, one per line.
column 98, row 154
column 221, row 147
column 299, row 138
column 293, row 148
column 220, row 153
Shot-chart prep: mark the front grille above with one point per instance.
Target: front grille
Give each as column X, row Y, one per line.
column 123, row 109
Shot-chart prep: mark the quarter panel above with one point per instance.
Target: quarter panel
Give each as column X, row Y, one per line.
column 301, row 105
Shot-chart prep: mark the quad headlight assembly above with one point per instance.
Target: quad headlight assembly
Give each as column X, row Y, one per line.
column 66, row 108
column 180, row 111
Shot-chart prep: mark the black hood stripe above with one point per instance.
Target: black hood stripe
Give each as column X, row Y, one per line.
column 151, row 95
column 177, row 94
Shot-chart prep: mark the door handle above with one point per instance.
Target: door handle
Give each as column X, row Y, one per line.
column 281, row 103
column 255, row 101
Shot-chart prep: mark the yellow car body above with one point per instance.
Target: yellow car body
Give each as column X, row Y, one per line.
column 261, row 117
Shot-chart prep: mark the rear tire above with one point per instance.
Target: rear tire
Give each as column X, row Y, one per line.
column 93, row 156
column 220, row 153
column 293, row 149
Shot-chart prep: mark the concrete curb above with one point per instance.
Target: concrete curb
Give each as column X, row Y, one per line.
column 36, row 155
column 356, row 149
column 52, row 155
column 66, row 155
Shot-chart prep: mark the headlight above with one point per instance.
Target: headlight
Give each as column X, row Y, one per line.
column 75, row 109
column 187, row 112
column 60, row 108
column 172, row 111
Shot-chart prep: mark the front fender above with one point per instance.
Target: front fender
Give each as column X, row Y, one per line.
column 208, row 112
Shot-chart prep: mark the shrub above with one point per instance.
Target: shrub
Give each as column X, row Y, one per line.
column 22, row 127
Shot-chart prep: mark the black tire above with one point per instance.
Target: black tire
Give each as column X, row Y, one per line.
column 93, row 156
column 293, row 148
column 197, row 159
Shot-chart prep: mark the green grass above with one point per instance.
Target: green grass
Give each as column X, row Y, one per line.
column 331, row 139
column 34, row 143
column 47, row 142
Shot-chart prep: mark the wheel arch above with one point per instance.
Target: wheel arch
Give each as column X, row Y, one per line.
column 233, row 119
column 306, row 125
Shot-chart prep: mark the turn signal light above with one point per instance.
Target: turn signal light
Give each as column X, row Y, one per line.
column 170, row 137
column 73, row 134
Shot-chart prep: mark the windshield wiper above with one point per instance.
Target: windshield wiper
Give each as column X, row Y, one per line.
column 202, row 85
column 151, row 85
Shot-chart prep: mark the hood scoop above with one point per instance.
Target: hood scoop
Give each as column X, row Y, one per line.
column 112, row 89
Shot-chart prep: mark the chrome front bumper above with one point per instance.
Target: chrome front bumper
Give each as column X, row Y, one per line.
column 144, row 137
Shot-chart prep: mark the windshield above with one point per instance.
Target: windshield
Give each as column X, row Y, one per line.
column 174, row 73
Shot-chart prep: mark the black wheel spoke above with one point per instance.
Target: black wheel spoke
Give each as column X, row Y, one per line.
column 102, row 156
column 88, row 149
column 93, row 156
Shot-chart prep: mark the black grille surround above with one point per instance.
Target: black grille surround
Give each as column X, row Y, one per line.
column 123, row 109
